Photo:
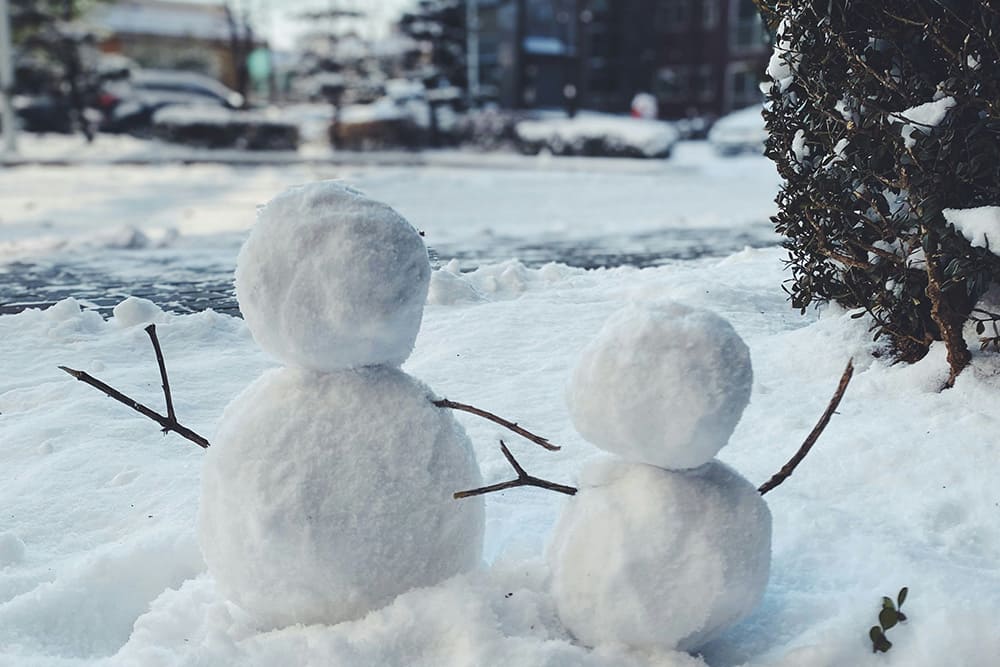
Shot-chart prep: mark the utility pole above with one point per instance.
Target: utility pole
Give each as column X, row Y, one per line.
column 7, row 115
column 472, row 50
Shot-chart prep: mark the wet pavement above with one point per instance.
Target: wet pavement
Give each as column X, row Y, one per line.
column 196, row 274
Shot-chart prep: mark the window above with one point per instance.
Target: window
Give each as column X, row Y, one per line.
column 673, row 15
column 684, row 84
column 746, row 29
column 703, row 83
column 709, row 14
column 742, row 86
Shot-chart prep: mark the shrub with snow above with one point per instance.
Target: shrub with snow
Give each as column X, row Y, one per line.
column 329, row 279
column 657, row 558
column 661, row 384
column 881, row 116
column 217, row 127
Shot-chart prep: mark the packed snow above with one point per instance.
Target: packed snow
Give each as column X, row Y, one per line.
column 659, row 559
column 329, row 279
column 981, row 225
column 663, row 384
column 325, row 495
column 99, row 556
column 648, row 137
column 923, row 118
column 781, row 68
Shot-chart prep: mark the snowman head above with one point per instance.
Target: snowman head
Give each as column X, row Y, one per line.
column 329, row 279
column 662, row 384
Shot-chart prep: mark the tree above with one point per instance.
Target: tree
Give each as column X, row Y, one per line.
column 440, row 25
column 51, row 56
column 882, row 115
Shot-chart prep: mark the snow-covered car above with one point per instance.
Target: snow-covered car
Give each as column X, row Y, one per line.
column 739, row 132
column 597, row 134
column 130, row 104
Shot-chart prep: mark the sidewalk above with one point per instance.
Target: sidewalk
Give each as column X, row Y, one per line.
column 63, row 151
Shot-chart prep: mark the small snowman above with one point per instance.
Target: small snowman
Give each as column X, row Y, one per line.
column 664, row 547
column 328, row 489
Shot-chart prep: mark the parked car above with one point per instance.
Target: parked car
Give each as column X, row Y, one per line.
column 597, row 134
column 43, row 113
column 739, row 132
column 130, row 104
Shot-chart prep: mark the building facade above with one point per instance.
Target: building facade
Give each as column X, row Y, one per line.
column 697, row 57
column 169, row 34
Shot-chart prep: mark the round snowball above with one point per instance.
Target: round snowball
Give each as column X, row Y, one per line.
column 324, row 496
column 329, row 279
column 654, row 558
column 662, row 384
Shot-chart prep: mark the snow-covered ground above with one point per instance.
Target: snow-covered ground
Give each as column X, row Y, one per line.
column 109, row 225
column 99, row 559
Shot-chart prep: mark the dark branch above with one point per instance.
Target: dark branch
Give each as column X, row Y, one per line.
column 167, row 422
column 788, row 468
column 151, row 330
column 523, row 479
column 511, row 426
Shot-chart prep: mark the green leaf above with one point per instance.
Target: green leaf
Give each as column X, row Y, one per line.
column 887, row 603
column 888, row 618
column 879, row 642
column 904, row 591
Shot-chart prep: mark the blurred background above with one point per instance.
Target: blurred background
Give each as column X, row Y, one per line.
column 531, row 75
column 513, row 133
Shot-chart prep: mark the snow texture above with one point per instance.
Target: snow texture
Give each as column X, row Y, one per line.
column 329, row 279
column 326, row 495
column 134, row 311
column 653, row 558
column 649, row 137
column 11, row 549
column 663, row 384
column 782, row 65
column 740, row 130
column 923, row 118
column 981, row 225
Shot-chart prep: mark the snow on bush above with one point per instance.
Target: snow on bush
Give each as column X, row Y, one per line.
column 981, row 225
column 218, row 127
column 329, row 279
column 325, row 495
column 654, row 558
column 661, row 384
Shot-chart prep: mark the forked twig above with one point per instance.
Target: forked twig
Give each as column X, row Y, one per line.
column 523, row 479
column 151, row 331
column 509, row 425
column 788, row 468
column 169, row 421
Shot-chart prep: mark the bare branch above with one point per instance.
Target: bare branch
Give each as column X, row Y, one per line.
column 151, row 330
column 787, row 470
column 523, row 479
column 167, row 422
column 509, row 425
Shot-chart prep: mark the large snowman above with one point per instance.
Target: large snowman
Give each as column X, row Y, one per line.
column 328, row 489
column 663, row 546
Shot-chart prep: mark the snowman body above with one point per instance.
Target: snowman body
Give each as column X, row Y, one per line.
column 664, row 546
column 327, row 491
